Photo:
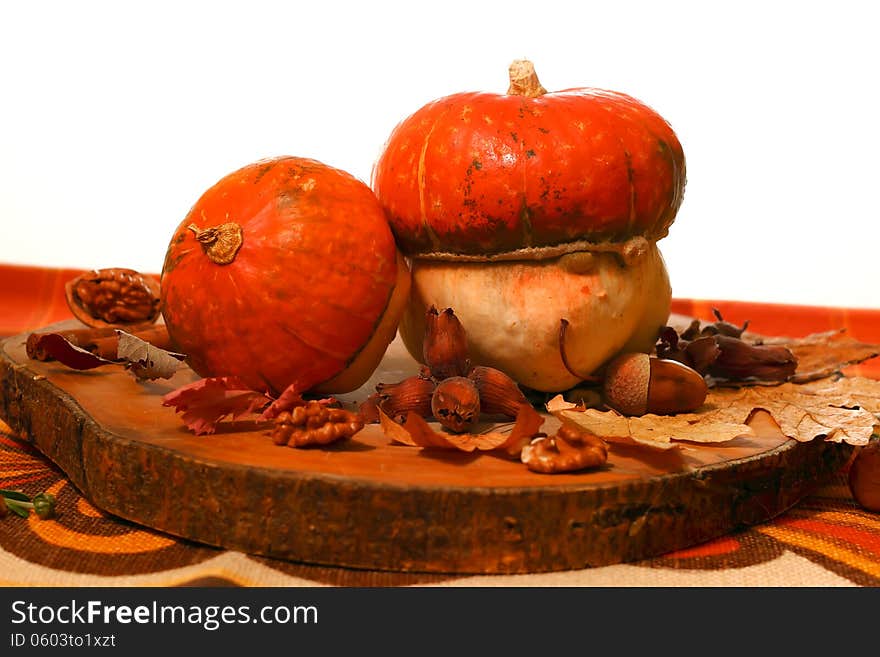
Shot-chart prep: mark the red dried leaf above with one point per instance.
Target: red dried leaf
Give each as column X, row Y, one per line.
column 205, row 403
column 289, row 399
column 55, row 346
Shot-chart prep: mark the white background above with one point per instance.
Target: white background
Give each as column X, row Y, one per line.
column 116, row 116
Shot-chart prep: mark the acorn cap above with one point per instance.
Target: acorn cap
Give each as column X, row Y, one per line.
column 626, row 383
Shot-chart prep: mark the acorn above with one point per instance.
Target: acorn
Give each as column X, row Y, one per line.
column 636, row 384
column 864, row 477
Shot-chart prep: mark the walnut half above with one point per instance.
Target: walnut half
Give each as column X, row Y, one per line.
column 314, row 424
column 113, row 297
column 568, row 450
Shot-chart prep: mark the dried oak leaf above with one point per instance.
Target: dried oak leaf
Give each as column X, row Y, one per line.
column 821, row 355
column 842, row 410
column 652, row 431
column 145, row 360
column 416, row 432
column 206, row 402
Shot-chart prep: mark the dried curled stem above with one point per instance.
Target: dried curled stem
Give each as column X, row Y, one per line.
column 563, row 330
column 220, row 243
column 524, row 80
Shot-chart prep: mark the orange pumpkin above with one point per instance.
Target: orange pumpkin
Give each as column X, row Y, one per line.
column 485, row 173
column 285, row 272
column 529, row 211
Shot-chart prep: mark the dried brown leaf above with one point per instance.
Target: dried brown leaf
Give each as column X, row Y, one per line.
column 404, row 435
column 822, row 355
column 145, row 360
column 842, row 410
column 416, row 432
column 421, row 434
column 854, row 391
column 654, row 431
column 527, row 426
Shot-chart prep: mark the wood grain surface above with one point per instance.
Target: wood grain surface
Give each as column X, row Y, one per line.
column 368, row 503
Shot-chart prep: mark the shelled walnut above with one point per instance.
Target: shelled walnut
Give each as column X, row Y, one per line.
column 568, row 450
column 314, row 423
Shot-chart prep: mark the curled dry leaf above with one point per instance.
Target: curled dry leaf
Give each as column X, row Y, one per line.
column 206, row 402
column 55, row 346
column 102, row 341
column 416, row 432
column 145, row 360
column 86, row 349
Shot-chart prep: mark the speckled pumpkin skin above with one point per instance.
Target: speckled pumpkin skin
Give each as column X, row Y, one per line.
column 306, row 290
column 512, row 311
column 487, row 173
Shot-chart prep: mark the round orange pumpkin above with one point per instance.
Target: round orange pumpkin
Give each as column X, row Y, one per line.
column 283, row 273
column 524, row 209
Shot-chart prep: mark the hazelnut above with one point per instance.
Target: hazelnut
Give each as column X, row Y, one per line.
column 636, row 383
column 864, row 477
column 445, row 348
column 499, row 394
column 413, row 394
column 456, row 403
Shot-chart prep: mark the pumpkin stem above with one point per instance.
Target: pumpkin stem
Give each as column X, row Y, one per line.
column 523, row 80
column 220, row 243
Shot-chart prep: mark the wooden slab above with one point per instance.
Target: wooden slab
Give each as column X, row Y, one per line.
column 369, row 504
